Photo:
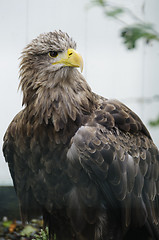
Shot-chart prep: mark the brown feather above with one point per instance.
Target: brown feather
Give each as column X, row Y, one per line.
column 86, row 163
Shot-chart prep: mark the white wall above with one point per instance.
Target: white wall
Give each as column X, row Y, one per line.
column 110, row 69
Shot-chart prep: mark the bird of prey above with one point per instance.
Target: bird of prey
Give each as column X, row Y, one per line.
column 87, row 164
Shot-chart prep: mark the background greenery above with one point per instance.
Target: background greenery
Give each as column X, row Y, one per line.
column 130, row 33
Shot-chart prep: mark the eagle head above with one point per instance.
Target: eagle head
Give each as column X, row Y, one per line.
column 51, row 52
column 46, row 62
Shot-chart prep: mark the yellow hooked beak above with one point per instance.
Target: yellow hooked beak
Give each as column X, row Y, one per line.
column 70, row 58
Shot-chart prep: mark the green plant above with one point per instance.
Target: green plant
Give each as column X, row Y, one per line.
column 130, row 33
column 154, row 123
column 42, row 235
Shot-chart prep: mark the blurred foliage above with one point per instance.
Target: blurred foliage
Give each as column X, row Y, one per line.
column 138, row 31
column 43, row 235
column 28, row 230
column 154, row 123
column 130, row 33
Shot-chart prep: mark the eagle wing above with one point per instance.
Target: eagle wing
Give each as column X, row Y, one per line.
column 110, row 160
column 116, row 151
column 19, row 155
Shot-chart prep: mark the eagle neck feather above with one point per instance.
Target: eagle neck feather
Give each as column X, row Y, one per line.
column 59, row 99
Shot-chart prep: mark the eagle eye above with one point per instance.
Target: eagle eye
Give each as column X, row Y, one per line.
column 53, row 54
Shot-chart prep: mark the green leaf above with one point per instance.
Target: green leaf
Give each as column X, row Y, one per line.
column 7, row 223
column 131, row 34
column 28, row 230
column 114, row 12
column 99, row 2
column 154, row 123
column 43, row 235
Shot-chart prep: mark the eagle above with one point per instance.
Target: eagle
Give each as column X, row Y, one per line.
column 85, row 163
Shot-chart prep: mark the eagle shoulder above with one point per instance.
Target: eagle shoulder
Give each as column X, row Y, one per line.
column 112, row 113
column 115, row 150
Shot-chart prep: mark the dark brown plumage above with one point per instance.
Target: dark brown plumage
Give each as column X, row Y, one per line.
column 87, row 164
